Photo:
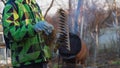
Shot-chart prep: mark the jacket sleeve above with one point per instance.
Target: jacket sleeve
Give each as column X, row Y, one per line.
column 12, row 28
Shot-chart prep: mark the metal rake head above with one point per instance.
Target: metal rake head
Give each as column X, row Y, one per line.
column 63, row 39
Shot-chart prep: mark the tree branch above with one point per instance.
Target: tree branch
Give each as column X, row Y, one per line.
column 0, row 16
column 109, row 14
column 48, row 8
column 3, row 1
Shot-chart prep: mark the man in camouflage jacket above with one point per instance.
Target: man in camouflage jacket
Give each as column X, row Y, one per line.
column 23, row 27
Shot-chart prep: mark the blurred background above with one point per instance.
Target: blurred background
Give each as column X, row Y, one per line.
column 97, row 22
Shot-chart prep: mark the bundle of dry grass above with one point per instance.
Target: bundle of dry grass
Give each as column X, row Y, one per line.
column 50, row 39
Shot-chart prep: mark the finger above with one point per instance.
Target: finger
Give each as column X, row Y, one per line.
column 46, row 33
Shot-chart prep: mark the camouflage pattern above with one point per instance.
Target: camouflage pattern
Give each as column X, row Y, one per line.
column 26, row 45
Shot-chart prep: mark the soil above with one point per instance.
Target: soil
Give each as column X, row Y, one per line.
column 104, row 60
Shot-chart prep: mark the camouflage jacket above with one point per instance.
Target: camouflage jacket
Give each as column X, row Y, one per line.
column 27, row 46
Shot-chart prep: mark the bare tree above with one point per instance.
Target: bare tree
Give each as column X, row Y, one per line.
column 77, row 14
column 115, row 14
column 93, row 26
column 49, row 8
column 70, row 16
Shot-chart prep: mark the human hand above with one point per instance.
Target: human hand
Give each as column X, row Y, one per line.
column 43, row 26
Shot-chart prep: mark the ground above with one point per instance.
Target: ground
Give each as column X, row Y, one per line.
column 105, row 59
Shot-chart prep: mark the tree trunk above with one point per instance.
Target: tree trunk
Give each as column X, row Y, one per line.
column 97, row 44
column 77, row 14
column 70, row 16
